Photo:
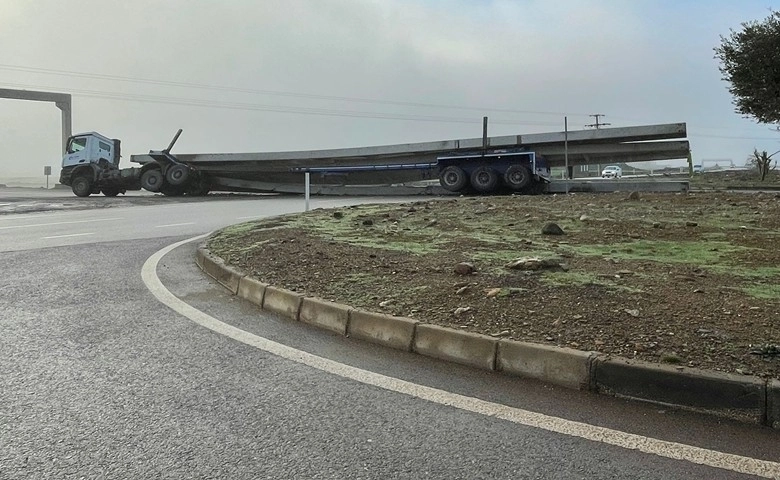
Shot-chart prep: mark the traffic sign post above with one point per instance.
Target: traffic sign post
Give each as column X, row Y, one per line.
column 47, row 172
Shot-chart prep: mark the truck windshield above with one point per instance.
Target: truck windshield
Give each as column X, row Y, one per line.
column 77, row 144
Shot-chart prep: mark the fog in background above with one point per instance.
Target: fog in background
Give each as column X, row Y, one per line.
column 273, row 75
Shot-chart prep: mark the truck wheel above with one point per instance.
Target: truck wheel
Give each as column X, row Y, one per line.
column 484, row 179
column 81, row 186
column 453, row 178
column 517, row 177
column 152, row 180
column 110, row 191
column 177, row 174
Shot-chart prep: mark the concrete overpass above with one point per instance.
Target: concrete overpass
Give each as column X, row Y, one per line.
column 60, row 100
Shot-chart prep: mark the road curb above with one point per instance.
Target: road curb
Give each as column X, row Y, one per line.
column 252, row 289
column 562, row 366
column 393, row 332
column 216, row 268
column 715, row 392
column 282, row 302
column 466, row 348
column 741, row 397
column 773, row 404
column 328, row 315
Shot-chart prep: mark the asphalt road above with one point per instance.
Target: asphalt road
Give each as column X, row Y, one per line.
column 100, row 379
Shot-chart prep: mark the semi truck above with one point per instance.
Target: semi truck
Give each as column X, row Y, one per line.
column 91, row 165
column 509, row 163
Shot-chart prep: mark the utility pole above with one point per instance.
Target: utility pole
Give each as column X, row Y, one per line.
column 597, row 124
column 566, row 151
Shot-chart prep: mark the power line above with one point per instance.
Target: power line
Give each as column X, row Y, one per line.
column 194, row 102
column 597, row 125
column 141, row 80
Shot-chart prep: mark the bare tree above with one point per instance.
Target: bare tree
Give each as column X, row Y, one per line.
column 763, row 162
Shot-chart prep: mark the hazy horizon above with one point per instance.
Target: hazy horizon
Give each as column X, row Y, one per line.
column 280, row 75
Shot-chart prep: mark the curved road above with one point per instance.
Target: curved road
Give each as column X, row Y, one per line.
column 110, row 374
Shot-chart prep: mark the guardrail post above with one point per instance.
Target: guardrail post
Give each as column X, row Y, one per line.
column 307, row 190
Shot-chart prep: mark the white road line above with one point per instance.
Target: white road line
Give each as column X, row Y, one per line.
column 630, row 441
column 248, row 217
column 70, row 235
column 174, row 225
column 41, row 214
column 60, row 223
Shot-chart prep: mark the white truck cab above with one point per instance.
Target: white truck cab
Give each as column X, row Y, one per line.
column 90, row 147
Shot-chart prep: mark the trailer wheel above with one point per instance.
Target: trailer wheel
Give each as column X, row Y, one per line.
column 453, row 178
column 177, row 174
column 152, row 180
column 484, row 179
column 517, row 177
column 110, row 191
column 81, row 186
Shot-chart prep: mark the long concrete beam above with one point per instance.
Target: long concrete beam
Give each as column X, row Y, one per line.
column 600, row 136
column 609, row 135
column 554, row 154
column 586, row 154
column 275, row 171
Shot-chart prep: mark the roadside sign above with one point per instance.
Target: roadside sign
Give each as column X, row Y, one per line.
column 47, row 170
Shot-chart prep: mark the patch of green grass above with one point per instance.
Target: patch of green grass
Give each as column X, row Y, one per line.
column 505, row 256
column 749, row 272
column 359, row 289
column 562, row 279
column 239, row 228
column 496, row 237
column 763, row 291
column 229, row 235
column 715, row 236
column 381, row 233
column 361, row 279
column 705, row 252
column 418, row 227
column 671, row 358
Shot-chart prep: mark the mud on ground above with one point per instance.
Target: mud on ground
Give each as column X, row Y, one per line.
column 29, row 200
column 683, row 279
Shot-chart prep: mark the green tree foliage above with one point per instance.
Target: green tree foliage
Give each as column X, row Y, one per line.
column 750, row 62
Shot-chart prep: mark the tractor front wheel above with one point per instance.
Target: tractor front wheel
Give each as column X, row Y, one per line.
column 81, row 186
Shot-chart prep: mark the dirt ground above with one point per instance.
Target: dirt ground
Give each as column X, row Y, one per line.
column 685, row 279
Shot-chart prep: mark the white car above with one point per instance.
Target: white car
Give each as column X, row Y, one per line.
column 612, row 171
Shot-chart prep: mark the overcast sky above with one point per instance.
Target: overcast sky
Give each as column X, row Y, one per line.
column 272, row 75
